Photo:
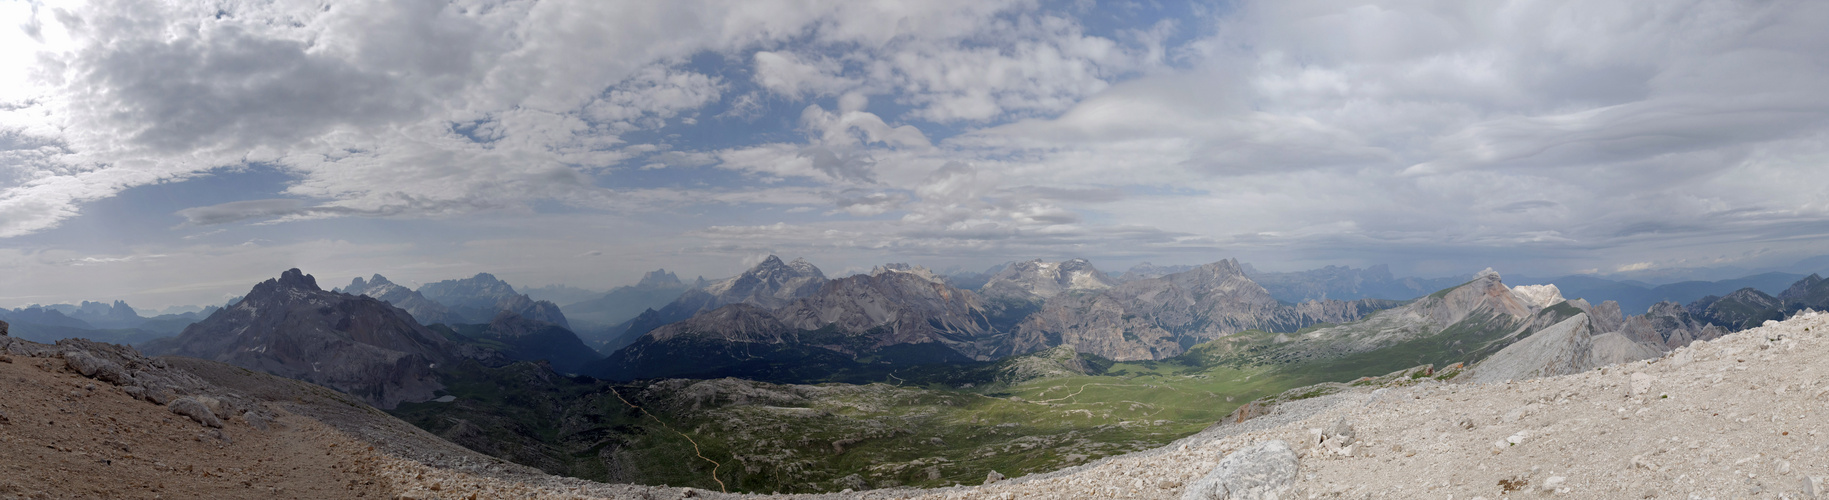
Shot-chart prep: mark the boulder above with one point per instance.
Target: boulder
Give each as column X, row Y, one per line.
column 992, row 477
column 97, row 368
column 1264, row 471
column 196, row 410
column 1338, row 438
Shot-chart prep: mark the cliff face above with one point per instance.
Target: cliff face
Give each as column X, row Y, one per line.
column 291, row 328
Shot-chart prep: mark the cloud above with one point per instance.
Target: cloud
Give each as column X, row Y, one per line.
column 1429, row 131
column 795, row 76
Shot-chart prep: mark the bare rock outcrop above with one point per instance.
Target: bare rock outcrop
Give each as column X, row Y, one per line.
column 1261, row 472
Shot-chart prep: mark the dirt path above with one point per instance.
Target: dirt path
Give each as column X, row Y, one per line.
column 695, row 444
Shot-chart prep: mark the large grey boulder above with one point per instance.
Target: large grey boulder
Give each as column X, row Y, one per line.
column 1262, row 472
column 196, row 410
column 97, row 368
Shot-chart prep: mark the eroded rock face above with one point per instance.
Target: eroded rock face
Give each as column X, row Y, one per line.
column 291, row 328
column 1262, row 472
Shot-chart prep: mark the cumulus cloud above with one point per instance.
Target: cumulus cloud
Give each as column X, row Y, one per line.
column 1310, row 130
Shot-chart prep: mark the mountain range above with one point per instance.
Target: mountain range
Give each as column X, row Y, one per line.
column 291, row 328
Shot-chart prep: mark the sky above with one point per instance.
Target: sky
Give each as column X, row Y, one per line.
column 172, row 153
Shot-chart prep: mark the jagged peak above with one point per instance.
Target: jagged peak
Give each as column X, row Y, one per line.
column 294, row 278
column 658, row 277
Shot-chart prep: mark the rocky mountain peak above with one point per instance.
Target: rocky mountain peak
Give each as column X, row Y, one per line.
column 658, row 278
column 294, row 278
column 291, row 328
column 770, row 284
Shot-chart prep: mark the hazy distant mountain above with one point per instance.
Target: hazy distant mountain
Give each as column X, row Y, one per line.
column 1155, row 318
column 291, row 328
column 521, row 339
column 656, row 289
column 1147, row 270
column 1346, row 283
column 40, row 315
column 973, row 280
column 1636, row 297
column 99, row 321
column 478, row 299
column 106, row 315
column 561, row 294
column 770, row 284
column 893, row 315
column 1037, row 280
column 424, row 310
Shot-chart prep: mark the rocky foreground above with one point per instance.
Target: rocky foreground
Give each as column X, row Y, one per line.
column 1742, row 416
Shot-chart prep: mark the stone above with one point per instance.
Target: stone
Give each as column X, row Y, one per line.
column 159, row 395
column 1813, row 487
column 97, row 368
column 196, row 410
column 1260, row 472
column 1338, row 438
column 83, row 363
column 1641, row 383
column 1554, row 483
column 992, row 477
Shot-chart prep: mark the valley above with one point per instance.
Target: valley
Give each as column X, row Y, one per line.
column 780, row 380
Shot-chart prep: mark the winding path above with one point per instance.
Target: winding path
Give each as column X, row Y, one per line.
column 695, row 444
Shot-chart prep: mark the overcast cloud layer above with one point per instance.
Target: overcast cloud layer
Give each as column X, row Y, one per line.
column 174, row 152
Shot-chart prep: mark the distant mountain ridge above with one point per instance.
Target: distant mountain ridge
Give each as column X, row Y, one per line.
column 601, row 320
